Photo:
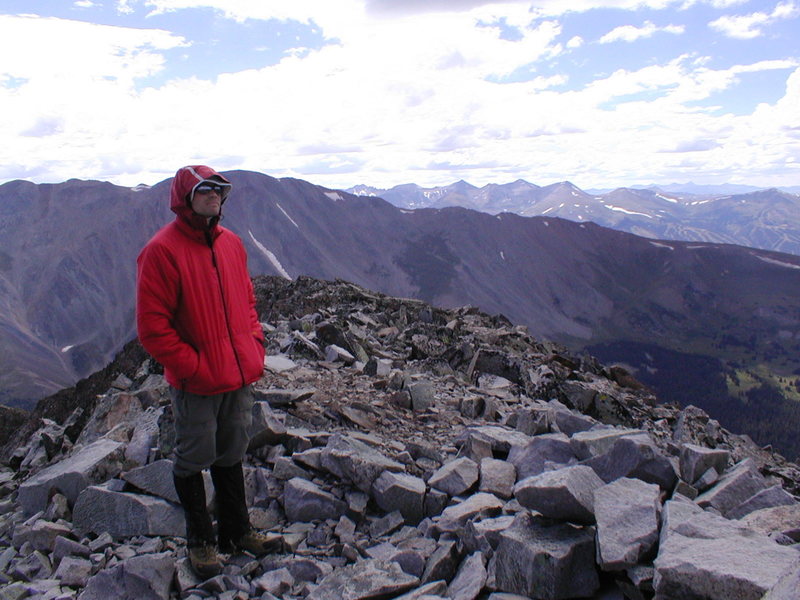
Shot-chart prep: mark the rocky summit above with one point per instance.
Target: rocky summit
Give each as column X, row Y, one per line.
column 407, row 452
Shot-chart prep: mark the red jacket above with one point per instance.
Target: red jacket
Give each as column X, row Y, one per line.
column 195, row 308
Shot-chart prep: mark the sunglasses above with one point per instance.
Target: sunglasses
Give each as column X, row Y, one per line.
column 207, row 188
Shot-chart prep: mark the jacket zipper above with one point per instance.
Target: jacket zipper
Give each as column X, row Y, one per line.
column 210, row 242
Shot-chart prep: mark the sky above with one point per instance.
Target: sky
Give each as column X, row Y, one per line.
column 602, row 93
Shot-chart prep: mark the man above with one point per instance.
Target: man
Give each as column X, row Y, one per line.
column 195, row 315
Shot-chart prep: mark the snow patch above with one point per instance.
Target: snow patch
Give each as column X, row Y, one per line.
column 774, row 261
column 335, row 196
column 628, row 212
column 502, row 255
column 673, row 200
column 270, row 256
column 667, row 246
column 67, row 348
column 287, row 216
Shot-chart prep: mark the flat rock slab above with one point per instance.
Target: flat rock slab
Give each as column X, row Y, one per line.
column 730, row 568
column 363, row 580
column 72, row 475
column 124, row 515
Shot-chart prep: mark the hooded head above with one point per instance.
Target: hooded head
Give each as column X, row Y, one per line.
column 184, row 184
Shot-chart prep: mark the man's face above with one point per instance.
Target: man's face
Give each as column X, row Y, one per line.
column 207, row 200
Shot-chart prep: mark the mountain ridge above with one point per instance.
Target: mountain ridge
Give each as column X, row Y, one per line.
column 758, row 218
column 575, row 283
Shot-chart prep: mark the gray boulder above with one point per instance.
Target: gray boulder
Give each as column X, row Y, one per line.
column 497, row 477
column 598, row 441
column 399, row 491
column 122, row 514
column 627, row 513
column 41, row 534
column 455, row 477
column 543, row 560
column 266, row 427
column 696, row 460
column 365, row 579
column 92, row 464
column 727, row 568
column 146, row 577
column 305, row 501
column 144, row 437
column 355, row 462
column 479, row 505
column 470, row 578
column 566, row 494
column 766, row 498
column 786, row 588
column 155, row 479
column 541, row 453
column 736, row 486
column 637, row 457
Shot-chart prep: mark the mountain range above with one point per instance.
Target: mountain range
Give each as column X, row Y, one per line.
column 759, row 218
column 722, row 321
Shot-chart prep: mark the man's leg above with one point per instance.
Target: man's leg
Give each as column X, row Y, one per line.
column 233, row 521
column 195, row 432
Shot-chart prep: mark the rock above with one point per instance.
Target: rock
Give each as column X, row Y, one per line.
column 41, row 534
column 470, row 578
column 74, row 571
column 545, row 560
column 146, row 577
column 278, row 397
column 399, row 491
column 541, row 453
column 627, row 513
column 696, row 460
column 366, row 579
column 766, row 498
column 443, row 563
column 144, row 436
column 278, row 582
column 155, row 479
column 497, row 477
column 598, row 441
column 355, row 462
column 422, row 395
column 735, row 487
column 637, row 457
column 784, row 520
column 481, row 505
column 455, row 477
column 266, row 427
column 334, row 353
column 279, row 363
column 121, row 514
column 787, row 586
column 566, row 494
column 92, row 464
column 728, row 568
column 306, row 501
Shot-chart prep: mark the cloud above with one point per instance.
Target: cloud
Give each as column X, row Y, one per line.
column 630, row 33
column 752, row 25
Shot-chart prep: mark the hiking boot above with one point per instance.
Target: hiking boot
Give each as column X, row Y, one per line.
column 255, row 543
column 204, row 561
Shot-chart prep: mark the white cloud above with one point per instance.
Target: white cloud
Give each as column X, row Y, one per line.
column 752, row 25
column 393, row 100
column 630, row 33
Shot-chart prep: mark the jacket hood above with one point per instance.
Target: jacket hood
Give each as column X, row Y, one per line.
column 184, row 183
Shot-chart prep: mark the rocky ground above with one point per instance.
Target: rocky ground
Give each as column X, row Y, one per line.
column 402, row 451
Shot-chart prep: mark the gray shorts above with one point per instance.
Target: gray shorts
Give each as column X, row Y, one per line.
column 210, row 430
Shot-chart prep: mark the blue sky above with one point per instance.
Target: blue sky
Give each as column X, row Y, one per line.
column 603, row 93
